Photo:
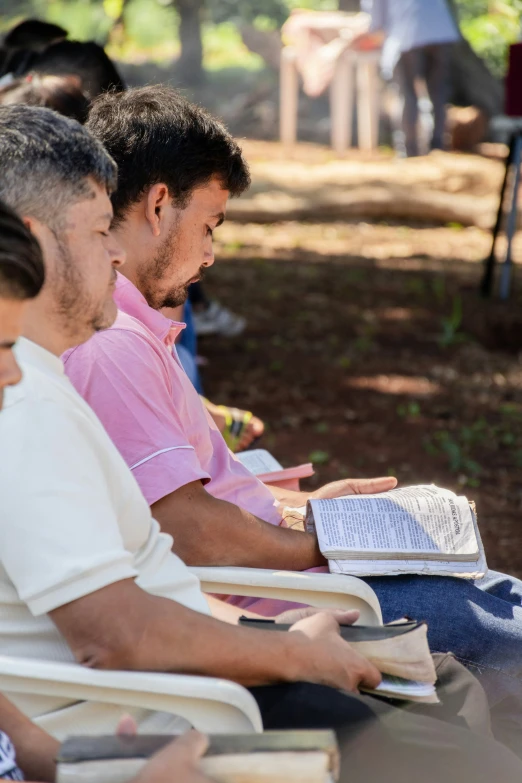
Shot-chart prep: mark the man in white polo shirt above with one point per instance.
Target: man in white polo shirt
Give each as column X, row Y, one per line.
column 85, row 572
column 26, row 751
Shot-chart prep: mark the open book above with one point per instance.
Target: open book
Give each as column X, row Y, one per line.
column 270, row 757
column 268, row 470
column 414, row 530
column 398, row 650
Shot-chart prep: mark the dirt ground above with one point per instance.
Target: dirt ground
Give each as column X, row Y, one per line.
column 369, row 352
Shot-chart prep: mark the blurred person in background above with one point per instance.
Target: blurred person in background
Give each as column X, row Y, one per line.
column 417, row 38
column 61, row 93
column 22, row 42
column 41, row 47
column 211, row 317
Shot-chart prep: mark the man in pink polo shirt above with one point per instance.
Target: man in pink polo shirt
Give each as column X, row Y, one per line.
column 178, row 166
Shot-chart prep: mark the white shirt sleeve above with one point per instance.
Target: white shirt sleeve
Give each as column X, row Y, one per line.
column 59, row 533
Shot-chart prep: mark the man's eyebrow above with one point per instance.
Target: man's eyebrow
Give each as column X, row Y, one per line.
column 107, row 217
column 220, row 217
column 7, row 344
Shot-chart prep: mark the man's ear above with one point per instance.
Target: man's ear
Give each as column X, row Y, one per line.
column 29, row 223
column 156, row 201
column 40, row 231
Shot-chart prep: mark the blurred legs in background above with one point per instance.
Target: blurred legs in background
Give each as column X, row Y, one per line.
column 431, row 64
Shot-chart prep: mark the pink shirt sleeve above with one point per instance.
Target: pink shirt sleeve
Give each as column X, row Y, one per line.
column 126, row 380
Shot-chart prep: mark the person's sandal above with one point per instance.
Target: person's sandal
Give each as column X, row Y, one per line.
column 236, row 422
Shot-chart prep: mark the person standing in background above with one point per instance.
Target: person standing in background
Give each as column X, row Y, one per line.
column 417, row 37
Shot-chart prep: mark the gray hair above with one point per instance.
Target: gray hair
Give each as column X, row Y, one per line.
column 45, row 160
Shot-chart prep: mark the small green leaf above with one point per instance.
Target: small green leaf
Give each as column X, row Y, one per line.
column 319, row 457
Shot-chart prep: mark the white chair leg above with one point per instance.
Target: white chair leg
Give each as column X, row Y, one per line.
column 341, row 104
column 375, row 101
column 288, row 97
column 367, row 102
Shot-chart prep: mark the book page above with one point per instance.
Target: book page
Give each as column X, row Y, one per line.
column 408, row 690
column 471, row 570
column 411, row 522
column 259, row 461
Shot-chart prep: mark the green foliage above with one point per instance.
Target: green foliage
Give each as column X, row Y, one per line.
column 150, row 24
column 462, row 446
column 319, row 457
column 224, row 48
column 490, row 36
column 322, row 427
column 246, row 11
column 490, row 27
column 83, row 19
column 438, row 288
column 456, row 447
column 267, row 15
column 409, row 410
column 313, row 5
column 451, row 334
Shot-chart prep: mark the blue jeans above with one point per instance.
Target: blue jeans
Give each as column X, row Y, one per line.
column 187, row 349
column 480, row 622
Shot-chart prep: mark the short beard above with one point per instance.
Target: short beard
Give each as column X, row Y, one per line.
column 74, row 307
column 149, row 278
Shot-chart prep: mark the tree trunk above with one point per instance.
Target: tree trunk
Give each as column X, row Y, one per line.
column 190, row 63
column 266, row 43
column 117, row 33
column 473, row 84
column 350, row 5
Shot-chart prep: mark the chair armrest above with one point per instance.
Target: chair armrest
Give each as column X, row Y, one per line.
column 210, row 704
column 336, row 591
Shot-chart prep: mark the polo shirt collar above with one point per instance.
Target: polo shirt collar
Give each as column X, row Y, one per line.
column 32, row 353
column 131, row 301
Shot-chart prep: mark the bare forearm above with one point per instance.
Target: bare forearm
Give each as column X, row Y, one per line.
column 35, row 749
column 208, row 531
column 235, row 653
column 149, row 633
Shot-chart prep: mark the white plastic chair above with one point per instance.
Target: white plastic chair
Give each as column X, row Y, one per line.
column 332, row 591
column 210, row 704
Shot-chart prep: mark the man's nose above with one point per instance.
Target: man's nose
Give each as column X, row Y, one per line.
column 118, row 254
column 209, row 258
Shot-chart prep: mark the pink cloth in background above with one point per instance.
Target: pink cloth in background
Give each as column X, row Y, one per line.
column 319, row 38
